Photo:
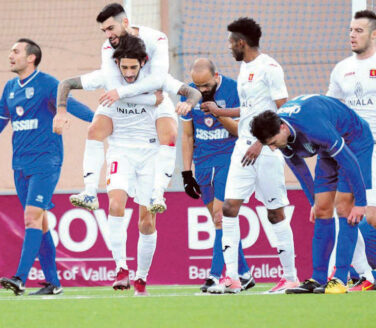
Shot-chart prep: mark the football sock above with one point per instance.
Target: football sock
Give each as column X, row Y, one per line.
column 347, row 236
column 30, row 249
column 322, row 246
column 217, row 261
column 145, row 252
column 118, row 240
column 47, row 259
column 285, row 249
column 369, row 236
column 359, row 261
column 230, row 245
column 93, row 161
column 243, row 267
column 164, row 167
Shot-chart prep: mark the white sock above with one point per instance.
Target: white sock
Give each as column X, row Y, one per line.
column 164, row 167
column 230, row 245
column 359, row 260
column 118, row 240
column 145, row 252
column 285, row 248
column 93, row 161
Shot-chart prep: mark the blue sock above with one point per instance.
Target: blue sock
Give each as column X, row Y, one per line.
column 374, row 273
column 243, row 266
column 30, row 248
column 47, row 255
column 353, row 273
column 322, row 246
column 218, row 261
column 347, row 237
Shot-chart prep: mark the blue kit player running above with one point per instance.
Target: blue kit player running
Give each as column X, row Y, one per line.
column 28, row 102
column 323, row 126
column 209, row 141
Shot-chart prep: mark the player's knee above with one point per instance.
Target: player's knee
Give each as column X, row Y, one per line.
column 275, row 216
column 229, row 209
column 168, row 133
column 343, row 208
column 146, row 225
column 371, row 220
column 33, row 218
column 323, row 210
column 116, row 208
column 217, row 218
column 93, row 133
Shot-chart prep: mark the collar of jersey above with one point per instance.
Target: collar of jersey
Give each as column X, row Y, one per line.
column 292, row 130
column 28, row 79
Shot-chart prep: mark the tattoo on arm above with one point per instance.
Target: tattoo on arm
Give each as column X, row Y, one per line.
column 193, row 96
column 64, row 88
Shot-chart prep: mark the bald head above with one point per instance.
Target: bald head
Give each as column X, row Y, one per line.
column 203, row 64
column 205, row 77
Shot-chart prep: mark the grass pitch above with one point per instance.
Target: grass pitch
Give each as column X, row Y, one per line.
column 185, row 306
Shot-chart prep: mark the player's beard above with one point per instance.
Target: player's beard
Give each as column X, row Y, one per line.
column 209, row 95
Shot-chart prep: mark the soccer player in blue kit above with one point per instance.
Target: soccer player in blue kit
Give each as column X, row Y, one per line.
column 324, row 126
column 209, row 141
column 28, row 102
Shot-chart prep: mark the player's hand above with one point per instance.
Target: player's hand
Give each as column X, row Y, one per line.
column 252, row 153
column 59, row 122
column 191, row 187
column 159, row 97
column 356, row 215
column 210, row 107
column 312, row 215
column 109, row 97
column 183, row 108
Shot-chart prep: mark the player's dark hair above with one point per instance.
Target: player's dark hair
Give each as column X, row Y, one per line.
column 265, row 125
column 111, row 10
column 246, row 29
column 130, row 46
column 32, row 49
column 369, row 14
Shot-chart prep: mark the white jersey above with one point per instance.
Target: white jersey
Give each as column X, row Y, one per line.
column 156, row 67
column 133, row 123
column 354, row 81
column 260, row 83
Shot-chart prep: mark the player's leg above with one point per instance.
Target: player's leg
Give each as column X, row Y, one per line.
column 99, row 129
column 118, row 236
column 121, row 178
column 271, row 190
column 167, row 129
column 147, row 243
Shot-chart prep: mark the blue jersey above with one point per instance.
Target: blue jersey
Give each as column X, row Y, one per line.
column 30, row 106
column 324, row 126
column 213, row 144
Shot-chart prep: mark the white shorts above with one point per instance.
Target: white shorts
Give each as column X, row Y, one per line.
column 371, row 193
column 266, row 177
column 132, row 170
column 166, row 109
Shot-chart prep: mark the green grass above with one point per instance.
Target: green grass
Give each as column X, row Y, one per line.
column 184, row 306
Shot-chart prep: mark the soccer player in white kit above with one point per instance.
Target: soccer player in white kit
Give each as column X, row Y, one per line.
column 114, row 23
column 353, row 80
column 261, row 86
column 131, row 156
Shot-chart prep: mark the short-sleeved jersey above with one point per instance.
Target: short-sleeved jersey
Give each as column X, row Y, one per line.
column 325, row 126
column 260, row 83
column 212, row 142
column 354, row 81
column 156, row 44
column 30, row 106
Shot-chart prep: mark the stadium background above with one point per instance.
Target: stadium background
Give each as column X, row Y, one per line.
column 307, row 38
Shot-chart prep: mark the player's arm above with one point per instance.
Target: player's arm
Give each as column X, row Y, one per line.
column 334, row 89
column 229, row 124
column 4, row 112
column 158, row 72
column 191, row 187
column 192, row 97
column 276, row 83
column 211, row 107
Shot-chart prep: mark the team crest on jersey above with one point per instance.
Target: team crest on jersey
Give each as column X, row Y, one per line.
column 250, row 77
column 29, row 92
column 19, row 110
column 11, row 95
column 209, row 121
column 372, row 72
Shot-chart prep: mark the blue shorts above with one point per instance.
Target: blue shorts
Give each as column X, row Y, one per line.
column 36, row 189
column 369, row 236
column 212, row 181
column 330, row 177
